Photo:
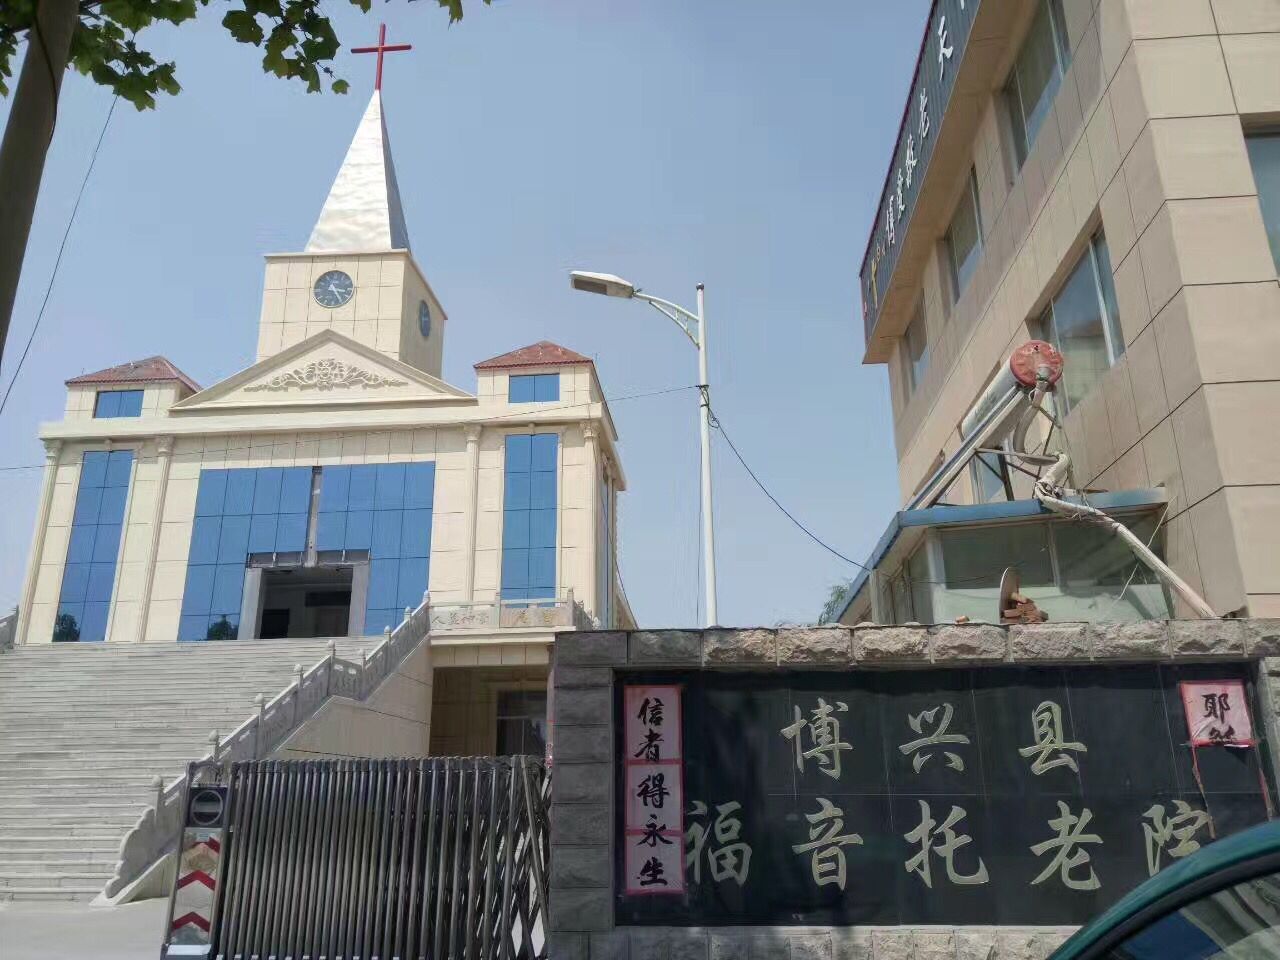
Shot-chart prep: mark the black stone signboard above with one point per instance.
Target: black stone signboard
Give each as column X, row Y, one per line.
column 987, row 796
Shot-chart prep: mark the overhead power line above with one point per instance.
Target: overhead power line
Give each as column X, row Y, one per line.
column 93, row 158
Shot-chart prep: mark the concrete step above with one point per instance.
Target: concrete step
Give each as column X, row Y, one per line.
column 50, row 862
column 103, row 841
column 48, row 894
column 78, row 880
column 84, row 730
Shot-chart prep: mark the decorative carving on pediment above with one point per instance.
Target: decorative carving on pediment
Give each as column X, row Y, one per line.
column 327, row 373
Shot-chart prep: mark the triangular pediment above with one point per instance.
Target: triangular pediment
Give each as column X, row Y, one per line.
column 326, row 369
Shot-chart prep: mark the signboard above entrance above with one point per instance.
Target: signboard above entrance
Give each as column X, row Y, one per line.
column 1003, row 795
column 945, row 39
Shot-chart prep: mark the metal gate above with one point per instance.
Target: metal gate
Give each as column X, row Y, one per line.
column 437, row 859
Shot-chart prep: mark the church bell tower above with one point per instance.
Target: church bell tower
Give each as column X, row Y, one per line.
column 357, row 275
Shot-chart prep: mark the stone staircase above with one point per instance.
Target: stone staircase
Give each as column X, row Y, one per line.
column 85, row 729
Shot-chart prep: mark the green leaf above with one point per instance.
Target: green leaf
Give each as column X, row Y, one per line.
column 243, row 26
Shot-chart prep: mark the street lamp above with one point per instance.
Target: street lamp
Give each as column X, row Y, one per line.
column 694, row 326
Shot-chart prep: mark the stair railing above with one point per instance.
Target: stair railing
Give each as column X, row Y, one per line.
column 156, row 832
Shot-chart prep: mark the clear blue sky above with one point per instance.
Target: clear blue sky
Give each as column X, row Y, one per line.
column 742, row 144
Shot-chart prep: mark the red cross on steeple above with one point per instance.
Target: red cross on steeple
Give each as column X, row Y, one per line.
column 380, row 49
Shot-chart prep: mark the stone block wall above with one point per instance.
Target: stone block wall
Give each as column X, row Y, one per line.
column 586, row 665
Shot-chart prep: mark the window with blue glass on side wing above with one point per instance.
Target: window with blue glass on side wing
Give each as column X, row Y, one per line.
column 533, row 388
column 117, row 403
column 529, row 517
column 94, row 546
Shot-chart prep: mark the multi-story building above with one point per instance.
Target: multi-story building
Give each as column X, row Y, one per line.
column 1104, row 176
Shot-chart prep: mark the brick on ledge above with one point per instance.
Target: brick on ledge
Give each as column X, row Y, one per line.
column 587, row 648
column 908, row 643
column 815, row 647
column 1136, row 640
column 1262, row 637
column 968, row 643
column 1052, row 642
column 661, row 647
column 739, row 648
column 567, row 676
column 1206, row 638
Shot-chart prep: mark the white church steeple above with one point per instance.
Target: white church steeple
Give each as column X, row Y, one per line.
column 362, row 213
column 357, row 276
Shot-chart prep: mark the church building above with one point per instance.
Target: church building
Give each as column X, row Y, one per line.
column 328, row 486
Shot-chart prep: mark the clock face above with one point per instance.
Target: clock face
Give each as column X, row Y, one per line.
column 333, row 289
column 424, row 318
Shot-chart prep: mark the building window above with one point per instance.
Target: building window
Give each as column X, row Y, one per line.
column 1036, row 75
column 1264, row 155
column 522, row 723
column 96, row 528
column 382, row 511
column 915, row 344
column 1083, row 322
column 379, row 514
column 118, row 403
column 991, row 480
column 964, row 237
column 533, row 388
column 239, row 512
column 529, row 517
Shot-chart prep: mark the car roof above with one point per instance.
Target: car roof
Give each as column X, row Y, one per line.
column 1254, row 843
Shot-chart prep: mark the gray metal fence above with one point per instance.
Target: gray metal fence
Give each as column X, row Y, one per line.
column 439, row 859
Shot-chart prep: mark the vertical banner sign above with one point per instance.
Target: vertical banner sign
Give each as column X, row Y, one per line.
column 941, row 52
column 653, row 765
column 1217, row 713
column 191, row 912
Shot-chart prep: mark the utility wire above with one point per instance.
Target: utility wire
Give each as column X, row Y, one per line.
column 61, row 248
column 950, row 582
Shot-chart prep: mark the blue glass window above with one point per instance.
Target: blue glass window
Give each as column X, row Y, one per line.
column 118, row 403
column 238, row 513
column 533, row 388
column 96, row 529
column 384, row 509
column 529, row 517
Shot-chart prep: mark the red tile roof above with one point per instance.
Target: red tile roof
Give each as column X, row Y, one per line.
column 150, row 370
column 544, row 353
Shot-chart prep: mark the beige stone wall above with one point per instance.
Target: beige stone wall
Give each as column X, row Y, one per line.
column 156, row 398
column 1145, row 140
column 394, row 721
column 382, row 313
column 465, row 704
column 450, row 552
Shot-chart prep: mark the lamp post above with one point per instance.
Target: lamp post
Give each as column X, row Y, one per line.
column 694, row 325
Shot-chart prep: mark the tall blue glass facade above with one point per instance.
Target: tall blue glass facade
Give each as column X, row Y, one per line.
column 385, row 509
column 529, row 517
column 239, row 512
column 96, row 527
